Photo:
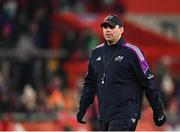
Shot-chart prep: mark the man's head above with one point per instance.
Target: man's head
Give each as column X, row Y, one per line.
column 112, row 28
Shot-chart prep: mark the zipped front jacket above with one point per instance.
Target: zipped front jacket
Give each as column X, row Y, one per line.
column 119, row 75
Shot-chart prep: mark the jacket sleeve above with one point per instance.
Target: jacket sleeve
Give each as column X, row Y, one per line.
column 89, row 90
column 147, row 82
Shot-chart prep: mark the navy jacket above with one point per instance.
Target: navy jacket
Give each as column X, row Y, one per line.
column 120, row 91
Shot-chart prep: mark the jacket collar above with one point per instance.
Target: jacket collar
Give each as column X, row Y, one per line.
column 120, row 42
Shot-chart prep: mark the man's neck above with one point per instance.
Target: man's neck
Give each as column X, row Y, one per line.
column 113, row 42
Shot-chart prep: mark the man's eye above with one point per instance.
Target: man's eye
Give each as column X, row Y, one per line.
column 110, row 26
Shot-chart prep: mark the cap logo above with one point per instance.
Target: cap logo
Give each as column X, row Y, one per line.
column 110, row 17
column 112, row 20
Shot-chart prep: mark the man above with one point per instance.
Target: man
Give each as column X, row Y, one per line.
column 119, row 74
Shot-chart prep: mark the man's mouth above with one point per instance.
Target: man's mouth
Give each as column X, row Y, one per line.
column 109, row 35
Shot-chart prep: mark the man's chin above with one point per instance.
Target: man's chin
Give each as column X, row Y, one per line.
column 109, row 41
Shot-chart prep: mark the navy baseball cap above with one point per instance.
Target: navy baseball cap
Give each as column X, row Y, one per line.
column 112, row 20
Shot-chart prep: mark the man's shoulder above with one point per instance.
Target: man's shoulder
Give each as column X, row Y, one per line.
column 98, row 47
column 135, row 50
column 97, row 50
column 131, row 46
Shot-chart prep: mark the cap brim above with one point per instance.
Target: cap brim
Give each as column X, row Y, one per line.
column 107, row 23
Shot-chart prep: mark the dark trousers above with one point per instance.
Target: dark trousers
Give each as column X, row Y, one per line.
column 119, row 125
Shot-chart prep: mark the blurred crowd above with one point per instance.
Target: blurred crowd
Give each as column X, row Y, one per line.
column 34, row 84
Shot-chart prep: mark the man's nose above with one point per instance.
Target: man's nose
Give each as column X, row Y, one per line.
column 108, row 29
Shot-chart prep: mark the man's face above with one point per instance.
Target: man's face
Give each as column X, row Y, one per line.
column 112, row 34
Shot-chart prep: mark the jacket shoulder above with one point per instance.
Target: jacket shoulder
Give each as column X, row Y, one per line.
column 96, row 50
column 98, row 47
column 135, row 50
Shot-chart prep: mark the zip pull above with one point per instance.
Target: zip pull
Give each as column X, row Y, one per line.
column 103, row 78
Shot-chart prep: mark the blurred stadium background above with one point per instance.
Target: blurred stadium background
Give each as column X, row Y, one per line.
column 44, row 47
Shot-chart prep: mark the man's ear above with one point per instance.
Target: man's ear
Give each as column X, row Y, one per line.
column 122, row 29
